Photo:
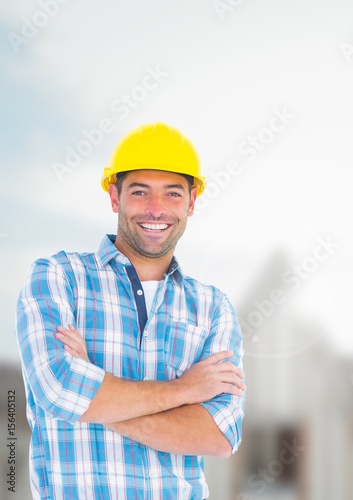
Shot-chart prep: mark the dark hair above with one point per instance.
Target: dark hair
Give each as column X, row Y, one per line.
column 189, row 178
column 121, row 176
column 119, row 181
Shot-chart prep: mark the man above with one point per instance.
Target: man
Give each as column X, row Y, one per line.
column 132, row 369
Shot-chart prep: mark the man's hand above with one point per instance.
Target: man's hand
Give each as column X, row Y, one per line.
column 73, row 342
column 212, row 376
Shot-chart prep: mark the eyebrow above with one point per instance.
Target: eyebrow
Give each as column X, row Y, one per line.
column 146, row 186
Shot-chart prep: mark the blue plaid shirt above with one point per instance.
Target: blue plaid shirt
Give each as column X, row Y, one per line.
column 101, row 295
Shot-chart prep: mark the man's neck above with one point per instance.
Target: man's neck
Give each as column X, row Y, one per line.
column 148, row 269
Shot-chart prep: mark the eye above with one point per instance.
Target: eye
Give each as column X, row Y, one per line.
column 174, row 194
column 138, row 193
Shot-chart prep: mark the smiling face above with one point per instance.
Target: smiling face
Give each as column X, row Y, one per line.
column 153, row 208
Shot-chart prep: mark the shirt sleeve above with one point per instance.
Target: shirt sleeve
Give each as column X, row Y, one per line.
column 227, row 410
column 62, row 385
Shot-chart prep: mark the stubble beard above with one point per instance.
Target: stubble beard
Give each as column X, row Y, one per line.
column 138, row 246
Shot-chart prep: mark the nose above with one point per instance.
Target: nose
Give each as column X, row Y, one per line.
column 155, row 205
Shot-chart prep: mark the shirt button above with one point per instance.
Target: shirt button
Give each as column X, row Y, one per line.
column 139, row 292
column 145, row 334
column 151, row 474
column 146, row 378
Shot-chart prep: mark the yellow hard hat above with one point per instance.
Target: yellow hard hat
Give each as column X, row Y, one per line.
column 154, row 147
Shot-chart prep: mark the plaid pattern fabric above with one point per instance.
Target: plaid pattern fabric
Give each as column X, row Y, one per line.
column 100, row 294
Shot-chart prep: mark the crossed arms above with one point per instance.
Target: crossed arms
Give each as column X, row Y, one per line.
column 166, row 416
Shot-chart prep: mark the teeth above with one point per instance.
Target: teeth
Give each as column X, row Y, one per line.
column 155, row 227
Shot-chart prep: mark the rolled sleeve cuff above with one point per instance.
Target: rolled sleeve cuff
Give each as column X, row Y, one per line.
column 70, row 396
column 89, row 378
column 228, row 418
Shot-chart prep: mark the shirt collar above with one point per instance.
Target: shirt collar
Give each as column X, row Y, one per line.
column 175, row 271
column 108, row 251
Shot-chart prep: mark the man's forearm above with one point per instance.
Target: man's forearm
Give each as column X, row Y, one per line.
column 186, row 430
column 119, row 400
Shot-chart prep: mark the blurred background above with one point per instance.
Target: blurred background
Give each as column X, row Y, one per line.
column 264, row 90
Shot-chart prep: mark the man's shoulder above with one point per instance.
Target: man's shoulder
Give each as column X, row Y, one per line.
column 63, row 261
column 76, row 258
column 203, row 288
column 63, row 256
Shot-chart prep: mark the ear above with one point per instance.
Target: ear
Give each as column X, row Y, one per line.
column 114, row 198
column 192, row 202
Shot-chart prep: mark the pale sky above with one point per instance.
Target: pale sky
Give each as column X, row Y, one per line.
column 263, row 89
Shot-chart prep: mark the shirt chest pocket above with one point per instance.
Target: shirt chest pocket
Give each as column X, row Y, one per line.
column 183, row 347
